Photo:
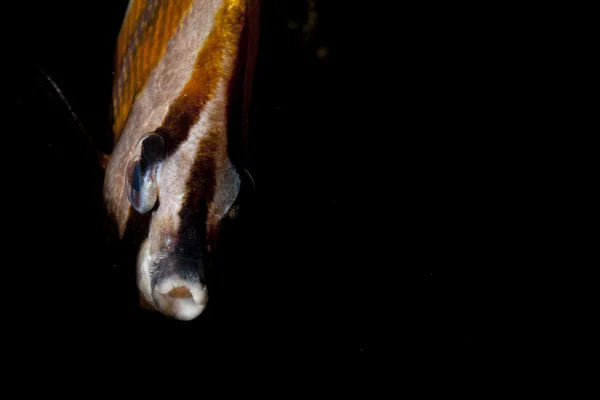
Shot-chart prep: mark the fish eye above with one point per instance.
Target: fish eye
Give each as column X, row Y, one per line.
column 141, row 187
column 140, row 179
column 134, row 185
column 153, row 149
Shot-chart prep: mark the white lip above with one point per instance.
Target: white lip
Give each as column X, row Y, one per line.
column 184, row 309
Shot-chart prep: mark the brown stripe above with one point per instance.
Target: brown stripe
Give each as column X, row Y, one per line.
column 223, row 42
column 208, row 70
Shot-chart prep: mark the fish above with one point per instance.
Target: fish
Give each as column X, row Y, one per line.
column 183, row 77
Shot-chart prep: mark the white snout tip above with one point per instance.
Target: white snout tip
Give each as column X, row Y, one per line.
column 180, row 299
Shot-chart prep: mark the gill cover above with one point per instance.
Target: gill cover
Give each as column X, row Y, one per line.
column 140, row 179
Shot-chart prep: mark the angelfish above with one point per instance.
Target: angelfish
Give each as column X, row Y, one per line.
column 182, row 83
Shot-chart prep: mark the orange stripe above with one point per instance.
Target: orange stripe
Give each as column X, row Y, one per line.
column 137, row 11
column 126, row 66
column 130, row 21
column 208, row 70
column 135, row 62
column 146, row 52
column 124, row 35
column 160, row 22
column 120, row 41
column 152, row 44
column 125, row 42
column 169, row 19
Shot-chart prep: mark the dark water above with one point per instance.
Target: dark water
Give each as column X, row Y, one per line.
column 366, row 237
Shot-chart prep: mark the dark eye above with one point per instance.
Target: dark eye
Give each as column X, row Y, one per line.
column 135, row 176
column 140, row 179
column 153, row 149
column 141, row 187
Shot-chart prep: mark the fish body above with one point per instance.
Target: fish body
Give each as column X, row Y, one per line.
column 183, row 72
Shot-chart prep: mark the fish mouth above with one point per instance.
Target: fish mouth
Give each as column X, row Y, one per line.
column 180, row 298
column 178, row 289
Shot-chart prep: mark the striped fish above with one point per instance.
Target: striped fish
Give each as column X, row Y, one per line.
column 182, row 84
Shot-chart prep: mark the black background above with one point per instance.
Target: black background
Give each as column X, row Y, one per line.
column 379, row 224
